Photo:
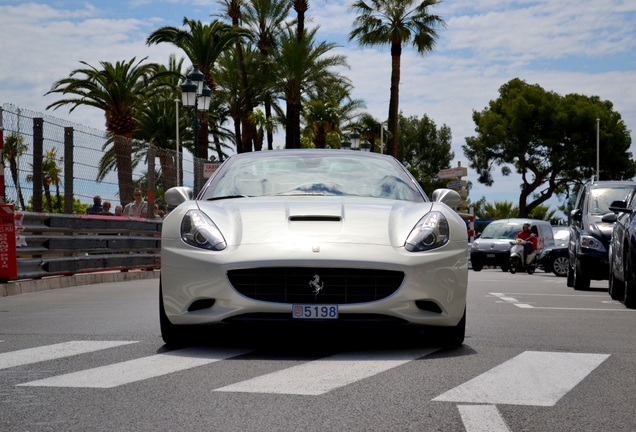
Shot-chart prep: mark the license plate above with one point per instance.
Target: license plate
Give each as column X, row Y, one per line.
column 490, row 255
column 300, row 311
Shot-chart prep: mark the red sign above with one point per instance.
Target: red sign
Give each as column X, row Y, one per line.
column 8, row 254
column 453, row 172
column 209, row 169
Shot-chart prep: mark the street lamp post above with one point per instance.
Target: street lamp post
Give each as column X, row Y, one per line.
column 352, row 142
column 177, row 158
column 355, row 139
column 346, row 144
column 598, row 133
column 382, row 137
column 197, row 95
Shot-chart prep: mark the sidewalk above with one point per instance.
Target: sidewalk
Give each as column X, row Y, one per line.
column 35, row 285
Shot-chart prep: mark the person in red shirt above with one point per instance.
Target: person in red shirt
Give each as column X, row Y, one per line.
column 530, row 237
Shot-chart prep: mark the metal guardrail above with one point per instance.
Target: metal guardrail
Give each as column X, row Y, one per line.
column 62, row 244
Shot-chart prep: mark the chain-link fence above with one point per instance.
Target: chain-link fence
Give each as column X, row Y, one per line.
column 52, row 165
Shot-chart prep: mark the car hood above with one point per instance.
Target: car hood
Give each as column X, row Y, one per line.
column 600, row 228
column 263, row 220
column 495, row 245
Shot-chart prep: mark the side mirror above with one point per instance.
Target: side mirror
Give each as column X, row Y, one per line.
column 576, row 215
column 176, row 195
column 609, row 217
column 619, row 206
column 448, row 196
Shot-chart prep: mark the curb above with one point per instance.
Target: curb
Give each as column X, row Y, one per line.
column 44, row 284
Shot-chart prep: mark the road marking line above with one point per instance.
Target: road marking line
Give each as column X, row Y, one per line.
column 137, row 370
column 482, row 418
column 504, row 297
column 507, row 299
column 321, row 376
column 531, row 378
column 585, row 309
column 56, row 351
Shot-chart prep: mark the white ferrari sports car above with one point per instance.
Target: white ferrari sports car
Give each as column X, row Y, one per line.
column 317, row 236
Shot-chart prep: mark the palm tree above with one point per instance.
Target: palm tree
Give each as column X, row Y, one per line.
column 202, row 44
column 244, row 144
column 330, row 109
column 156, row 125
column 395, row 23
column 301, row 7
column 322, row 119
column 50, row 176
column 14, row 147
column 300, row 68
column 266, row 20
column 119, row 90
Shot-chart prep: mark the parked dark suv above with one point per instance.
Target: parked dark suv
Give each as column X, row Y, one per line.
column 589, row 235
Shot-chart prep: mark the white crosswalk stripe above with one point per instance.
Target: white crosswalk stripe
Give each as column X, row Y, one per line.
column 56, row 351
column 137, row 370
column 321, row 376
column 531, row 378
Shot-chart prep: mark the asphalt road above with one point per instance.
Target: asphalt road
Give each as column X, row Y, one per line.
column 538, row 356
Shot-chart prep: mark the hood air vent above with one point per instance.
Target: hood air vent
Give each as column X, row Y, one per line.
column 316, row 218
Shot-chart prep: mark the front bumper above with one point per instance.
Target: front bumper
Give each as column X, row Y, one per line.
column 594, row 265
column 490, row 258
column 438, row 277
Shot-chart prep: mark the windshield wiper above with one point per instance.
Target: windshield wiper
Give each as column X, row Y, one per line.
column 227, row 197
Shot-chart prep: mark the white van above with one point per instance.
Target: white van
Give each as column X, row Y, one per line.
column 492, row 248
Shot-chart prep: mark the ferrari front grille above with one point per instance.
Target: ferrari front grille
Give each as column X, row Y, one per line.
column 309, row 285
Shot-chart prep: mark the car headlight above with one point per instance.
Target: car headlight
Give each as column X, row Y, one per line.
column 590, row 242
column 430, row 232
column 198, row 230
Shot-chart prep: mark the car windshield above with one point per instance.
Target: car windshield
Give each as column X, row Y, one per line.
column 498, row 230
column 316, row 173
column 600, row 198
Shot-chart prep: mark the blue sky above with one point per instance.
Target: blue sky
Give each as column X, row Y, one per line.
column 566, row 46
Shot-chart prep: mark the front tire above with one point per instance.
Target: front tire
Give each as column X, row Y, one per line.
column 560, row 266
column 570, row 276
column 452, row 337
column 616, row 287
column 581, row 282
column 173, row 336
column 477, row 266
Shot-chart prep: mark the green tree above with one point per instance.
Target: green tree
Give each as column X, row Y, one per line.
column 119, row 90
column 50, row 176
column 396, row 23
column 549, row 140
column 301, row 7
column 425, row 150
column 328, row 110
column 202, row 44
column 245, row 140
column 302, row 66
column 368, row 127
column 14, row 148
column 58, row 205
column 157, row 125
column 266, row 20
column 498, row 210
